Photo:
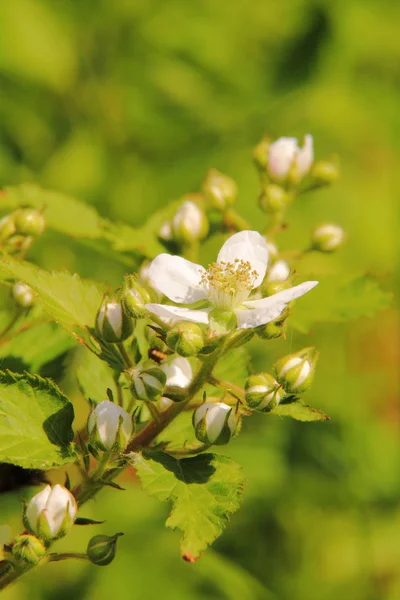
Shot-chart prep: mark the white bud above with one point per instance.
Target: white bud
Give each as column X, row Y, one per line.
column 165, row 232
column 273, row 251
column 295, row 372
column 22, row 294
column 112, row 324
column 51, row 513
column 189, row 223
column 178, row 371
column 284, row 154
column 279, row 271
column 215, row 423
column 303, row 372
column 328, row 237
column 110, row 426
column 304, row 157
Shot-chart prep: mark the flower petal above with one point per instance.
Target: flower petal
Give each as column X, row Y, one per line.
column 247, row 245
column 177, row 278
column 178, row 371
column 176, row 313
column 267, row 309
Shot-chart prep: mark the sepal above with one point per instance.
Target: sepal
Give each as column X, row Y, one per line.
column 185, row 338
column 27, row 548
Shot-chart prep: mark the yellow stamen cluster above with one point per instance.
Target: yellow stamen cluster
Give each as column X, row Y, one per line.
column 229, row 277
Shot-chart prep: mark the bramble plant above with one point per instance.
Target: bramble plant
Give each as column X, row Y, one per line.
column 168, row 346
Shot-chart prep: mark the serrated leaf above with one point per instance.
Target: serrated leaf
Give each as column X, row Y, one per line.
column 337, row 299
column 299, row 411
column 67, row 298
column 35, row 422
column 204, row 490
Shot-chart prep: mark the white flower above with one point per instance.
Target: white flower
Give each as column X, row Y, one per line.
column 105, row 420
column 279, row 271
column 285, row 153
column 56, row 507
column 226, row 285
column 178, row 371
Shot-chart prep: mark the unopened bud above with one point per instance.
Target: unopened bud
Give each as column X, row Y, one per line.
column 189, row 223
column 27, row 548
column 219, row 190
column 278, row 272
column 273, row 329
column 287, row 160
column 29, row 221
column 263, row 392
column 7, row 227
column 165, row 231
column 51, row 513
column 273, row 287
column 110, row 427
column 22, row 294
column 215, row 423
column 185, row 338
column 101, row 549
column 147, row 384
column 295, row 372
column 325, row 172
column 260, row 154
column 327, row 238
column 112, row 324
column 134, row 297
column 274, row 198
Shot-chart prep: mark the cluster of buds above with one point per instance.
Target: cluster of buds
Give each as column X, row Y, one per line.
column 20, row 228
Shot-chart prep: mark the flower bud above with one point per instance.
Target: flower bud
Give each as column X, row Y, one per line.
column 286, row 158
column 189, row 223
column 185, row 338
column 295, row 371
column 101, row 549
column 263, row 392
column 27, row 548
column 165, row 231
column 7, row 227
column 134, row 297
column 327, row 238
column 215, row 423
column 273, row 329
column 219, row 190
column 260, row 154
column 325, row 172
column 51, row 513
column 22, row 294
column 147, row 384
column 110, row 427
column 273, row 198
column 273, row 287
column 112, row 324
column 279, row 272
column 29, row 221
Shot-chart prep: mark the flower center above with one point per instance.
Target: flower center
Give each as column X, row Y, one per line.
column 228, row 284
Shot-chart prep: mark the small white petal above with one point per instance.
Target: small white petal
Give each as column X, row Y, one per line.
column 177, row 278
column 279, row 271
column 56, row 507
column 281, row 154
column 305, row 156
column 248, row 246
column 267, row 309
column 179, row 372
column 176, row 313
column 36, row 505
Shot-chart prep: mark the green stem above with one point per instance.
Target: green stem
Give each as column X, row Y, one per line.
column 235, row 221
column 237, row 391
column 57, row 557
column 11, row 324
column 125, row 356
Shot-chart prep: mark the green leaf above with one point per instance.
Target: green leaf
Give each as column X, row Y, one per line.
column 204, row 490
column 299, row 411
column 234, row 366
column 67, row 298
column 35, row 422
column 95, row 376
column 339, row 298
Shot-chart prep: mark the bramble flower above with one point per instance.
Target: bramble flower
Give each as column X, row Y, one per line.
column 284, row 154
column 225, row 287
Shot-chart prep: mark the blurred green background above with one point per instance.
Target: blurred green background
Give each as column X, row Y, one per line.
column 125, row 104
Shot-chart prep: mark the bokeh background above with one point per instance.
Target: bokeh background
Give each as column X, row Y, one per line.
column 125, row 105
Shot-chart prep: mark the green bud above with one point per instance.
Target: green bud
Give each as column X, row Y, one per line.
column 134, row 297
column 22, row 294
column 185, row 338
column 273, row 198
column 28, row 549
column 29, row 221
column 147, row 384
column 220, row 191
column 273, row 287
column 295, row 371
column 112, row 324
column 222, row 321
column 7, row 227
column 260, row 154
column 273, row 329
column 325, row 172
column 327, row 237
column 101, row 549
column 263, row 392
column 189, row 223
column 215, row 423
